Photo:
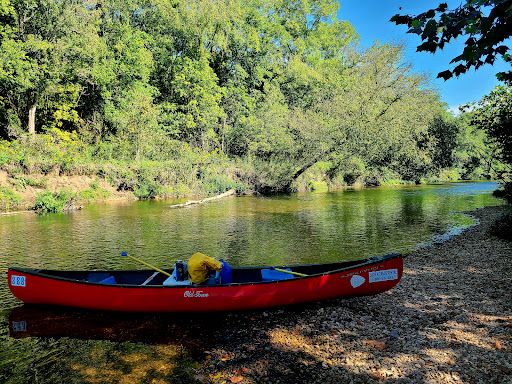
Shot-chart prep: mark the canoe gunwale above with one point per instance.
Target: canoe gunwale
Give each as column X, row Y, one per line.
column 364, row 262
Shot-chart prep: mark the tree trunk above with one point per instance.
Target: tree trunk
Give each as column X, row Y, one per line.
column 32, row 119
column 296, row 175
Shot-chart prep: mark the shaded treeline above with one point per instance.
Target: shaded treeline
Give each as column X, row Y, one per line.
column 257, row 94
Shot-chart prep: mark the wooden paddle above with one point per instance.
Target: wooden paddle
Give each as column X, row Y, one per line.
column 146, row 264
column 290, row 272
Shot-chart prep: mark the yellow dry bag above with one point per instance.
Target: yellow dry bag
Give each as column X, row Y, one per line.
column 199, row 266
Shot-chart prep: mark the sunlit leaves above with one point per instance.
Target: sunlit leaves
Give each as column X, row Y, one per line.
column 379, row 112
column 494, row 115
column 134, row 116
column 486, row 22
column 274, row 81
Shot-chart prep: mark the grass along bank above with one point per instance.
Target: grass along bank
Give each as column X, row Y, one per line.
column 56, row 191
column 45, row 169
column 58, row 169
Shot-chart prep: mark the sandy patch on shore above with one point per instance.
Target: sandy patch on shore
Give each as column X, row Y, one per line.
column 448, row 321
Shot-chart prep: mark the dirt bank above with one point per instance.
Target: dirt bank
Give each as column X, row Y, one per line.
column 448, row 321
column 20, row 184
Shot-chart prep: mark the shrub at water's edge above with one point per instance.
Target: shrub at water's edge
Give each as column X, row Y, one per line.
column 504, row 192
column 8, row 198
column 502, row 227
column 52, row 202
column 31, row 165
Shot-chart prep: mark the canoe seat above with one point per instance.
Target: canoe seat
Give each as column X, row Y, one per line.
column 272, row 275
column 214, row 279
column 108, row 280
column 172, row 281
column 96, row 277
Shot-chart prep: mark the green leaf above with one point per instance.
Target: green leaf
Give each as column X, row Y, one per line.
column 442, row 7
column 401, row 19
column 445, row 75
column 428, row 47
column 430, row 14
column 430, row 30
column 470, row 29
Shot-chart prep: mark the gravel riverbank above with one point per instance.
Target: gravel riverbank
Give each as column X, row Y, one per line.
column 449, row 320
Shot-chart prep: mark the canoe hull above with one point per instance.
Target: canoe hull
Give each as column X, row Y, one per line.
column 369, row 279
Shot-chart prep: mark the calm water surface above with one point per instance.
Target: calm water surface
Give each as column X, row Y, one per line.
column 246, row 231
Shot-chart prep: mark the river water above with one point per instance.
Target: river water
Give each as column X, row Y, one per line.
column 246, row 231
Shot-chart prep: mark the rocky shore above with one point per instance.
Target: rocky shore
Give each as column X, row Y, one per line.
column 449, row 320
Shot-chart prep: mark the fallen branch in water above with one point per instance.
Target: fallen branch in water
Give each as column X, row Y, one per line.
column 231, row 192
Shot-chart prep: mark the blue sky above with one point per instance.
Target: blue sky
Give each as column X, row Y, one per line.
column 371, row 21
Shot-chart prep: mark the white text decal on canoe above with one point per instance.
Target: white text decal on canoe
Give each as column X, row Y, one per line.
column 195, row 294
column 362, row 271
column 17, row 281
column 387, row 274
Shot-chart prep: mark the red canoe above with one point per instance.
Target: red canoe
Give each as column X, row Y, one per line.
column 144, row 291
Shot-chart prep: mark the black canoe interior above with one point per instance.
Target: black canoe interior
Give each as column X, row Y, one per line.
column 240, row 275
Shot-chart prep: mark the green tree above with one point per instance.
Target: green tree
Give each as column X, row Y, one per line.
column 476, row 155
column 214, row 60
column 493, row 114
column 444, row 130
column 35, row 66
column 485, row 23
column 26, row 68
column 134, row 117
column 460, row 148
column 379, row 112
column 111, row 65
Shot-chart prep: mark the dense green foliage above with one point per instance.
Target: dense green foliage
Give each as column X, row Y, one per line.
column 8, row 198
column 494, row 115
column 485, row 23
column 505, row 192
column 48, row 202
column 501, row 228
column 169, row 98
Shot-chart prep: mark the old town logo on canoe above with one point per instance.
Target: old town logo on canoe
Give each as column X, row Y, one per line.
column 195, row 294
column 356, row 281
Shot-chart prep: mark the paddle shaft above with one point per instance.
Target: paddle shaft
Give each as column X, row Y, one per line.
column 149, row 265
column 290, row 272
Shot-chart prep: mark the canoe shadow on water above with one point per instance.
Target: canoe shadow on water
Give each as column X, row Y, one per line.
column 195, row 331
column 51, row 321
